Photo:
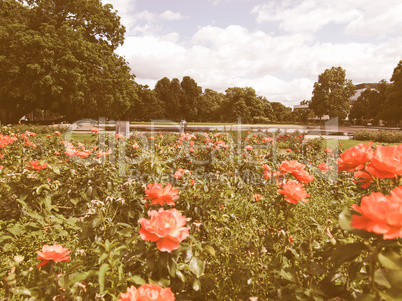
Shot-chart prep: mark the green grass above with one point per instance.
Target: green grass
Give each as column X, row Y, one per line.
column 81, row 137
column 345, row 144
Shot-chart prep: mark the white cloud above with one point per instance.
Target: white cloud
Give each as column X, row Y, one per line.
column 379, row 17
column 219, row 58
column 309, row 15
column 279, row 67
column 145, row 15
column 171, row 16
column 362, row 17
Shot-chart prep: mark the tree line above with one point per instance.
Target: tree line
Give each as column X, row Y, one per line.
column 332, row 93
column 176, row 100
column 383, row 103
column 60, row 56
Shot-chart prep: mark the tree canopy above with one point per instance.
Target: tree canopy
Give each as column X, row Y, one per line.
column 59, row 55
column 331, row 93
column 393, row 102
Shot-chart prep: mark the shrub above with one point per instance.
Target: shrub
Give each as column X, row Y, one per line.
column 379, row 136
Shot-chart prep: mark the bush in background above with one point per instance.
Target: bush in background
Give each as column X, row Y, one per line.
column 379, row 136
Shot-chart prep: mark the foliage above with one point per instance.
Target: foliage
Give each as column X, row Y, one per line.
column 393, row 104
column 59, row 56
column 239, row 246
column 379, row 136
column 331, row 93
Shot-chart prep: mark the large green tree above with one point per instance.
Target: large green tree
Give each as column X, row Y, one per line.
column 371, row 104
column 281, row 112
column 190, row 100
column 331, row 93
column 59, row 55
column 149, row 106
column 209, row 105
column 393, row 104
column 171, row 94
column 245, row 104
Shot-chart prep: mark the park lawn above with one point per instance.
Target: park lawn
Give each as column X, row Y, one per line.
column 345, row 144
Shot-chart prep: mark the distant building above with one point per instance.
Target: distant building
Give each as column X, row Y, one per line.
column 300, row 107
column 360, row 88
column 315, row 118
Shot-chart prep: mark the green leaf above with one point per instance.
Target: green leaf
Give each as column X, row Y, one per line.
column 68, row 280
column 181, row 276
column 210, row 250
column 196, row 285
column 343, row 253
column 22, row 291
column 345, row 218
column 5, row 237
column 88, row 192
column 354, row 268
column 391, row 260
column 101, row 276
column 395, row 278
column 74, row 265
column 15, row 230
column 56, row 169
column 103, row 257
column 48, row 203
column 287, row 276
column 74, row 201
column 137, row 280
column 96, row 222
column 163, row 259
column 318, row 269
column 381, row 279
column 197, row 266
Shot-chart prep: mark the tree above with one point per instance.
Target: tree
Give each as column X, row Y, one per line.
column 170, row 93
column 281, row 112
column 393, row 103
column 360, row 108
column 59, row 55
column 149, row 106
column 209, row 105
column 301, row 114
column 243, row 103
column 267, row 108
column 331, row 93
column 190, row 98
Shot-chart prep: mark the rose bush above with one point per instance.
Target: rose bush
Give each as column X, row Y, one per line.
column 236, row 231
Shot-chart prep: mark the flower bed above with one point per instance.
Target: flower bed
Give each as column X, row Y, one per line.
column 206, row 216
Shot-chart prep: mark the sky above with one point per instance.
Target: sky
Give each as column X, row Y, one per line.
column 277, row 47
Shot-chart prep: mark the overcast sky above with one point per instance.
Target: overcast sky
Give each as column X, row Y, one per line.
column 277, row 47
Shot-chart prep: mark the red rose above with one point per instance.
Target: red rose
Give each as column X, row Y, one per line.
column 257, row 197
column 355, row 157
column 294, row 192
column 291, row 166
column 35, row 165
column 380, row 214
column 147, row 292
column 159, row 195
column 164, row 227
column 303, row 176
column 56, row 253
column 387, row 160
